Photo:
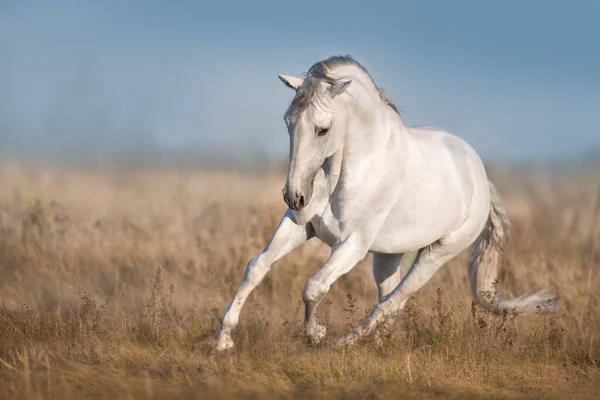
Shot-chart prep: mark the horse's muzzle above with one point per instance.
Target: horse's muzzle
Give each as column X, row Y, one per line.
column 295, row 200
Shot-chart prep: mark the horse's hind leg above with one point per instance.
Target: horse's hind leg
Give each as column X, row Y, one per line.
column 428, row 262
column 388, row 270
column 286, row 237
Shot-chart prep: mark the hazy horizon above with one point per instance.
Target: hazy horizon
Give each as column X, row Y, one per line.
column 519, row 81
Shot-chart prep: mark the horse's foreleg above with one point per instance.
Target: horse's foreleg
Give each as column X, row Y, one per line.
column 344, row 256
column 286, row 237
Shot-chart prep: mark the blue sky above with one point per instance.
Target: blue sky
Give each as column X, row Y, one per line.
column 517, row 79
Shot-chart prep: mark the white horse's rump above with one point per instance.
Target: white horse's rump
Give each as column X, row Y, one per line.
column 361, row 181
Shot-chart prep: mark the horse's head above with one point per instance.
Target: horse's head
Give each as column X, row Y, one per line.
column 316, row 124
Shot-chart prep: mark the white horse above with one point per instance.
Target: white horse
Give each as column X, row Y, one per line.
column 361, row 181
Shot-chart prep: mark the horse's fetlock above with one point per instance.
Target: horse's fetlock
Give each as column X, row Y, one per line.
column 229, row 321
column 316, row 332
column 314, row 291
column 385, row 308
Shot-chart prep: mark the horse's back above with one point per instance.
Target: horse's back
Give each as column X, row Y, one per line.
column 464, row 165
column 459, row 153
column 456, row 159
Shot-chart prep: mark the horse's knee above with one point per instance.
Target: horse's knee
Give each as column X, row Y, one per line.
column 256, row 270
column 314, row 290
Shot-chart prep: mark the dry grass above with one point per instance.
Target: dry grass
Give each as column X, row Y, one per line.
column 111, row 287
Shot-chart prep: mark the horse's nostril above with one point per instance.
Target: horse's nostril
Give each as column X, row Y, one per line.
column 301, row 201
column 295, row 201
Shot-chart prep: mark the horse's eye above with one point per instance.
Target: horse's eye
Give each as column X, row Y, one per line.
column 321, row 131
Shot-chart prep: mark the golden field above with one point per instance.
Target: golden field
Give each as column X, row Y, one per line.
column 112, row 284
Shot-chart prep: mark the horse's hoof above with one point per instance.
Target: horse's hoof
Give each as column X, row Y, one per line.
column 223, row 342
column 317, row 334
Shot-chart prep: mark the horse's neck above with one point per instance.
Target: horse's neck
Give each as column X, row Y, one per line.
column 342, row 163
column 374, row 136
column 372, row 125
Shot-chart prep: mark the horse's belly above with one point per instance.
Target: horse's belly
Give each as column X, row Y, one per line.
column 412, row 228
column 403, row 240
column 400, row 242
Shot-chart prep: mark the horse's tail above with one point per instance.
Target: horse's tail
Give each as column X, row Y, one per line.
column 484, row 266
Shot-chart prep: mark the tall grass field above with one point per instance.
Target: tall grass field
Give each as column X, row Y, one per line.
column 112, row 285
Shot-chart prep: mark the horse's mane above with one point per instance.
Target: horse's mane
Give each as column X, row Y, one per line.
column 316, row 74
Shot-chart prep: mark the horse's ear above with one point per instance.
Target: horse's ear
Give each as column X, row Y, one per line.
column 291, row 81
column 338, row 88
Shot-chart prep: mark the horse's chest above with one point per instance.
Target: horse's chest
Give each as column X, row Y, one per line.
column 328, row 228
column 344, row 213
